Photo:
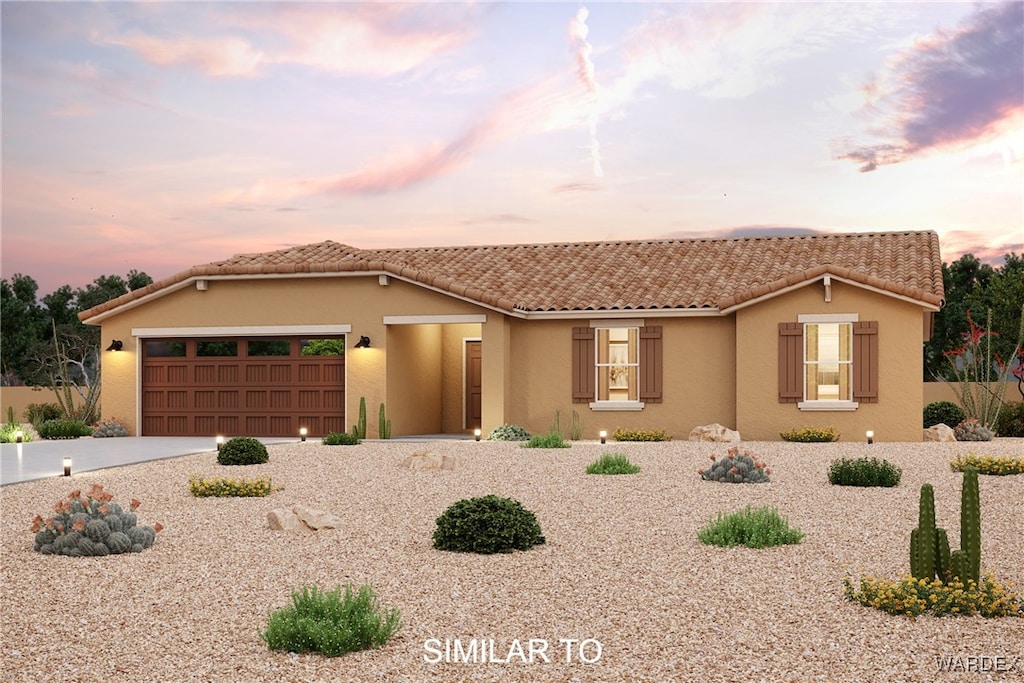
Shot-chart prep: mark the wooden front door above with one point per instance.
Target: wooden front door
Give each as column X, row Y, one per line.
column 474, row 381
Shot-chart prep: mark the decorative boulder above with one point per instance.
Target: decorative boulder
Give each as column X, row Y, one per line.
column 301, row 518
column 714, row 432
column 939, row 432
column 316, row 519
column 430, row 461
column 282, row 519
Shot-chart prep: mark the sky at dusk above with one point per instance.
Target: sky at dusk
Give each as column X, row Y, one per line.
column 159, row 136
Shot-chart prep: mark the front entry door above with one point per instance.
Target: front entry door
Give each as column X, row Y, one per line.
column 474, row 380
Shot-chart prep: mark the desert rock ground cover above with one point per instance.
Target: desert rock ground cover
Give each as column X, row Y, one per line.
column 622, row 565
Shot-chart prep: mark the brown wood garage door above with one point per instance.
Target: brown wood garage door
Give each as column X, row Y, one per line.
column 261, row 386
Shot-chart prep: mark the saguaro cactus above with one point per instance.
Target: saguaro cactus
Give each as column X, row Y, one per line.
column 383, row 424
column 929, row 545
column 965, row 564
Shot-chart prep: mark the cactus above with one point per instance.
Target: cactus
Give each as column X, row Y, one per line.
column 970, row 529
column 359, row 429
column 737, row 468
column 90, row 525
column 383, row 424
column 929, row 545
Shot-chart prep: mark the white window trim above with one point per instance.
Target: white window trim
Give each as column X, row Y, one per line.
column 628, row 323
column 836, row 406
column 616, row 405
column 826, row 318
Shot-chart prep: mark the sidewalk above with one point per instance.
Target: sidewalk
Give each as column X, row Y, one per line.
column 40, row 459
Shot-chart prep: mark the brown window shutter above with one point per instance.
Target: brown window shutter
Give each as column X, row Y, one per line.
column 582, row 364
column 791, row 362
column 865, row 361
column 650, row 364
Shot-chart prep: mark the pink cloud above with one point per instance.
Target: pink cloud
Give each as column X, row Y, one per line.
column 949, row 90
column 222, row 56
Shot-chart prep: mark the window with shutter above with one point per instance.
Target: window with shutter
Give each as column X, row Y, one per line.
column 865, row 361
column 617, row 366
column 828, row 362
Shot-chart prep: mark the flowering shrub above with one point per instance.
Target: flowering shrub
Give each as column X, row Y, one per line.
column 988, row 464
column 91, row 524
column 219, row 486
column 913, row 597
column 641, row 435
column 508, row 433
column 810, row 435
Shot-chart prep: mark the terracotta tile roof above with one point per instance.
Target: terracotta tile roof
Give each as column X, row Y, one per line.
column 604, row 276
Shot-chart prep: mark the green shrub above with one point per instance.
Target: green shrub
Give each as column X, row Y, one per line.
column 1010, row 421
column 988, row 464
column 972, row 430
column 201, row 487
column 913, row 597
column 91, row 524
column 38, row 413
column 943, row 412
column 341, row 439
column 612, row 463
column 641, row 435
column 863, row 472
column 508, row 433
column 752, row 527
column 737, row 468
column 487, row 525
column 242, row 450
column 109, row 428
column 64, row 429
column 332, row 623
column 810, row 435
column 549, row 440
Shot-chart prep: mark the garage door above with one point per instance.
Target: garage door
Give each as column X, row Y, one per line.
column 257, row 386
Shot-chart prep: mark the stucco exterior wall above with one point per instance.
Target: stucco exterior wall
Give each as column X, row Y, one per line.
column 414, row 381
column 697, row 378
column 453, row 381
column 357, row 301
column 897, row 414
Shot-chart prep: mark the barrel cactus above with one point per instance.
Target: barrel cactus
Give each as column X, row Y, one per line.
column 109, row 428
column 91, row 525
column 737, row 467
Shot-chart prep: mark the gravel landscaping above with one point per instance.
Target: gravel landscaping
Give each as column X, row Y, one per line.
column 622, row 566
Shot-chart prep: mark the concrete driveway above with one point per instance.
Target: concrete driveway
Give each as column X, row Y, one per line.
column 40, row 459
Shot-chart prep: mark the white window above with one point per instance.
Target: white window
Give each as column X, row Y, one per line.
column 617, row 366
column 828, row 362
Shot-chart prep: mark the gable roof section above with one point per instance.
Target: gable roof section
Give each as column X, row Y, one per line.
column 699, row 274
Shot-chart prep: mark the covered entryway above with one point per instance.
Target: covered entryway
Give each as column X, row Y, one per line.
column 242, row 386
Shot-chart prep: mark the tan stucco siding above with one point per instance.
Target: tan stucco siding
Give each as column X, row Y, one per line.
column 414, row 380
column 453, row 397
column 697, row 378
column 897, row 414
column 357, row 301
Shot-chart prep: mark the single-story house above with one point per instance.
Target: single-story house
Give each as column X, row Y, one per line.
column 758, row 334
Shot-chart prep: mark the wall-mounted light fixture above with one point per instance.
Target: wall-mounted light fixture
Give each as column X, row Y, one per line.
column 302, row 433
column 67, row 466
column 871, row 436
column 363, row 343
column 476, row 434
column 115, row 345
column 220, row 441
column 604, row 436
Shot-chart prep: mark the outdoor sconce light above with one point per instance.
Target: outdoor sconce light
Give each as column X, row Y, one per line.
column 604, row 436
column 220, row 441
column 302, row 433
column 67, row 467
column 476, row 434
column 19, row 436
column 871, row 436
column 363, row 343
column 115, row 345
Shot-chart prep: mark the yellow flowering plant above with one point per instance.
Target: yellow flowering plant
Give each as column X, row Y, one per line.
column 988, row 464
column 220, row 487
